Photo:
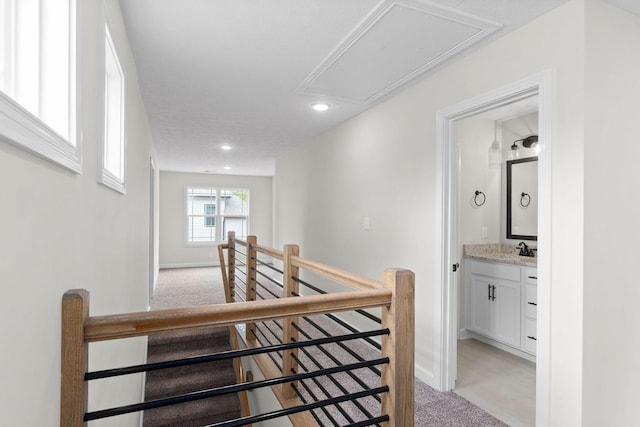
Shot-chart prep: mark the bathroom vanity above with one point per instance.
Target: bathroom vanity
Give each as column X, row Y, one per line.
column 501, row 297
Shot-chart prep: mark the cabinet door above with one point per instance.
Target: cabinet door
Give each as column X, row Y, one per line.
column 506, row 310
column 479, row 304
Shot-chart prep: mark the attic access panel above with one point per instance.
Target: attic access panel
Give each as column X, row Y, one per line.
column 398, row 41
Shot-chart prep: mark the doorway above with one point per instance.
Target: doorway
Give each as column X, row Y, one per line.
column 496, row 377
column 450, row 255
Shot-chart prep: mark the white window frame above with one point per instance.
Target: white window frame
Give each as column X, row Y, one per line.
column 114, row 146
column 22, row 127
column 219, row 216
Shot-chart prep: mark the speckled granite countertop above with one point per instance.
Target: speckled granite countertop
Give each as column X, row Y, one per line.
column 499, row 252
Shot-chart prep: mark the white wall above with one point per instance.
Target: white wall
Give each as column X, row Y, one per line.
column 474, row 138
column 173, row 251
column 62, row 231
column 611, row 288
column 382, row 164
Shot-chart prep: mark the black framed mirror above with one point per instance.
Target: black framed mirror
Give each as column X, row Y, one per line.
column 522, row 199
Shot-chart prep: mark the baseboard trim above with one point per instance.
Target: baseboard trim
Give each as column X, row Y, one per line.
column 508, row 349
column 463, row 334
column 190, row 265
column 424, row 375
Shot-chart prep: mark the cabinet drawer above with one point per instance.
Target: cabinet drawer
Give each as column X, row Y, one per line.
column 531, row 335
column 531, row 275
column 502, row 271
column 531, row 301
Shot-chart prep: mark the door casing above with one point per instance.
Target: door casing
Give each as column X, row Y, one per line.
column 447, row 217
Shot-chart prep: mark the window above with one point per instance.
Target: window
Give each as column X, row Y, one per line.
column 209, row 215
column 38, row 103
column 113, row 155
column 212, row 212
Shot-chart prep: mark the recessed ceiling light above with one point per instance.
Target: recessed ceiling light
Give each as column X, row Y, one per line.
column 227, row 168
column 320, row 106
column 226, row 147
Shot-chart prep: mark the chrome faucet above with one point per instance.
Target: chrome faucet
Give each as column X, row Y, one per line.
column 525, row 250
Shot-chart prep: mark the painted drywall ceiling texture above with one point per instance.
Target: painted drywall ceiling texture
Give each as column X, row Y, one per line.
column 245, row 73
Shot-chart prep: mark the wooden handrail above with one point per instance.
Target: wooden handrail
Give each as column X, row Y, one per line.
column 344, row 277
column 102, row 328
column 337, row 275
column 275, row 253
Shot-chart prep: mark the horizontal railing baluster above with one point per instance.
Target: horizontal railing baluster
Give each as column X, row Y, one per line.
column 234, row 388
column 320, row 291
column 302, row 408
column 108, row 373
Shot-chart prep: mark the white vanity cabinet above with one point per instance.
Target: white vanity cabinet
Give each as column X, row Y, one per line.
column 501, row 303
column 495, row 302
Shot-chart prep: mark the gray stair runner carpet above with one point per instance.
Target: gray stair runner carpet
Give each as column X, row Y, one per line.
column 184, row 288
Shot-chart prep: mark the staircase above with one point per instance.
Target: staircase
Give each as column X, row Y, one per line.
column 185, row 379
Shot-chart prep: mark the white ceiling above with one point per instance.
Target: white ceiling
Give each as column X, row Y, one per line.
column 245, row 72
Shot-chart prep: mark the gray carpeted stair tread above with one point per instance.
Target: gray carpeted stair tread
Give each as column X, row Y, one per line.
column 188, row 379
column 163, row 353
column 172, row 337
column 197, row 413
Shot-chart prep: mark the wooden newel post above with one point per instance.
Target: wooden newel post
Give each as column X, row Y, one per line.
column 75, row 359
column 231, row 254
column 399, row 347
column 252, row 266
column 289, row 332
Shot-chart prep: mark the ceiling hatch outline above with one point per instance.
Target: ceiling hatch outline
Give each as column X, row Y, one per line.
column 342, row 74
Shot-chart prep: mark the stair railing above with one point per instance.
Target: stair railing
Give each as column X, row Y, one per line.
column 394, row 295
column 241, row 272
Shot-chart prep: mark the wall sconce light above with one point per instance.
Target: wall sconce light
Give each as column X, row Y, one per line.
column 513, row 154
column 528, row 142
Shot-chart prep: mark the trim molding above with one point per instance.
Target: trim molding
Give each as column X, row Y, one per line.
column 26, row 131
column 424, row 375
column 483, row 28
column 499, row 345
column 190, row 265
column 445, row 319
